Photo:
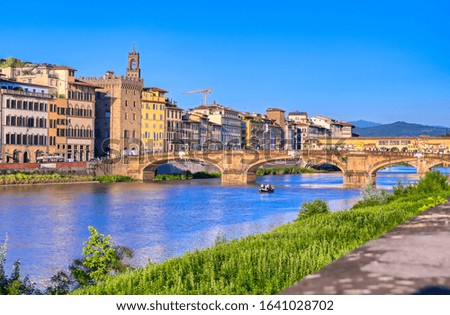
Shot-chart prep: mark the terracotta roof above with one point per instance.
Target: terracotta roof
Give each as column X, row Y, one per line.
column 61, row 68
column 79, row 82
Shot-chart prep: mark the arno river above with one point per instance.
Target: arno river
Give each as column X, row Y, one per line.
column 47, row 225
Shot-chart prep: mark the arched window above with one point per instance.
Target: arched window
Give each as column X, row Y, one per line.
column 133, row 64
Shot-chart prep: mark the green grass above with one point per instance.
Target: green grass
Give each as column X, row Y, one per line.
column 270, row 262
column 282, row 170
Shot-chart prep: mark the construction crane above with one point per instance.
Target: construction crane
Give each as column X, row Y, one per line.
column 205, row 94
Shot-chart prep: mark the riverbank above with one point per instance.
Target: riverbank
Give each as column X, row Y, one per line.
column 269, row 263
column 23, row 178
column 187, row 175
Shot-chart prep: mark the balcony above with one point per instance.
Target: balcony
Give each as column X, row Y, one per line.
column 29, row 94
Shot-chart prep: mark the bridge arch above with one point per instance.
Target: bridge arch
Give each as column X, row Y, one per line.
column 379, row 165
column 149, row 169
column 316, row 161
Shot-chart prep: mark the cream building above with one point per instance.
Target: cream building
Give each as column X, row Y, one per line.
column 24, row 121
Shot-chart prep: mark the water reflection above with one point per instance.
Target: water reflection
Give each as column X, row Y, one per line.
column 47, row 225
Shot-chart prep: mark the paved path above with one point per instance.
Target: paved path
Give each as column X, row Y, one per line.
column 413, row 258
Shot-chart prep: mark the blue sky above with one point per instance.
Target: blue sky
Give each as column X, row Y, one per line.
column 378, row 60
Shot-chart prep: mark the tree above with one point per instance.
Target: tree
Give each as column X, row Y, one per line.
column 101, row 258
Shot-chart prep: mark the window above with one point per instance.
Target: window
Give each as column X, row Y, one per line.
column 126, row 103
column 126, row 116
column 134, row 116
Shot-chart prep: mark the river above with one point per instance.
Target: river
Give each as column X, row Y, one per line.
column 47, row 225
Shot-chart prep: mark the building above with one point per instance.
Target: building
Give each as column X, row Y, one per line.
column 277, row 115
column 190, row 135
column 204, row 128
column 173, row 137
column 24, row 121
column 298, row 117
column 153, row 119
column 256, row 126
column 118, row 110
column 228, row 119
column 336, row 128
column 75, row 106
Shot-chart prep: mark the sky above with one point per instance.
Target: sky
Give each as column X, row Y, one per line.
column 381, row 61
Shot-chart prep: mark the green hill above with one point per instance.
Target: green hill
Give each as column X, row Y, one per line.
column 401, row 129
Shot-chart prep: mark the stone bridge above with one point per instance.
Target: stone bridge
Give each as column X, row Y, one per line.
column 238, row 167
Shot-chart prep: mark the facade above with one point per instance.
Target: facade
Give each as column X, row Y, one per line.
column 153, row 119
column 173, row 137
column 204, row 129
column 229, row 120
column 277, row 115
column 256, row 126
column 24, row 121
column 76, row 114
column 118, row 110
column 190, row 135
column 298, row 117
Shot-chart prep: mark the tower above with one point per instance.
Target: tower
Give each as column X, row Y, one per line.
column 133, row 70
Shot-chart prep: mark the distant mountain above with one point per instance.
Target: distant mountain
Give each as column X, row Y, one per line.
column 364, row 123
column 401, row 129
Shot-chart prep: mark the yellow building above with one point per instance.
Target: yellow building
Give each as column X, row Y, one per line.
column 153, row 119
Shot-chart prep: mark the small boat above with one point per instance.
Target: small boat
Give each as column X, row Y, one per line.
column 266, row 189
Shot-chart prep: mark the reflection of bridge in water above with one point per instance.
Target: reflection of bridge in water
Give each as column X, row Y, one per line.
column 238, row 167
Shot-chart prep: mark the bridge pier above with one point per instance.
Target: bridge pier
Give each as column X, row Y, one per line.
column 358, row 179
column 235, row 178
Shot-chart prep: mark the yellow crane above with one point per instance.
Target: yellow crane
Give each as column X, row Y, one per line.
column 205, row 94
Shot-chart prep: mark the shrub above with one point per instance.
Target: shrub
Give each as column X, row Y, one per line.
column 370, row 196
column 432, row 182
column 315, row 207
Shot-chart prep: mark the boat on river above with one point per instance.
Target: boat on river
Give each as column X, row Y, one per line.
column 266, row 188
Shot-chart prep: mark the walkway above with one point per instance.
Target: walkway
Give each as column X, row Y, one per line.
column 413, row 258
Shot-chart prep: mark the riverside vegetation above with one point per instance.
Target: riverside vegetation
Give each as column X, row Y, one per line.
column 23, row 178
column 270, row 262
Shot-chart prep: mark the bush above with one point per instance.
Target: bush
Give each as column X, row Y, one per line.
column 370, row 196
column 313, row 208
column 432, row 182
